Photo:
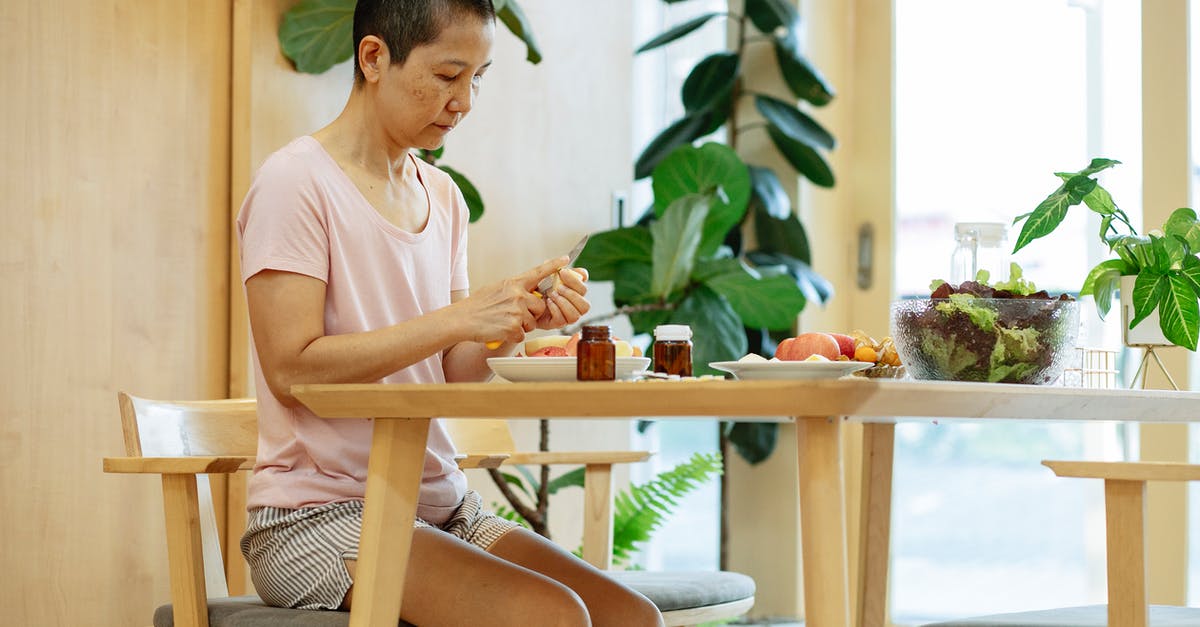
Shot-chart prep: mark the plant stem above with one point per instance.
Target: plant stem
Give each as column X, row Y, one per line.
column 531, row 515
column 723, row 482
column 751, row 126
column 543, row 498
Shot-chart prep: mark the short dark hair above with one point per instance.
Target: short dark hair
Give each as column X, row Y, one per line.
column 406, row 24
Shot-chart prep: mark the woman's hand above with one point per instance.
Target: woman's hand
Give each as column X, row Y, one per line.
column 566, row 302
column 506, row 310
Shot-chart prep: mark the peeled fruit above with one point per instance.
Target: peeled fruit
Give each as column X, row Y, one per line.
column 565, row 346
column 806, row 345
column 845, row 344
column 532, row 347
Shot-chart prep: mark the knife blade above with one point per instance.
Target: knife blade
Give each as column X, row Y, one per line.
column 547, row 282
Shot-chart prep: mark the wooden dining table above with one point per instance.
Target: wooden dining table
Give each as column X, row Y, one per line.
column 819, row 407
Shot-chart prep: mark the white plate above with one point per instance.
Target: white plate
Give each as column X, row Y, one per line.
column 790, row 369
column 556, row 368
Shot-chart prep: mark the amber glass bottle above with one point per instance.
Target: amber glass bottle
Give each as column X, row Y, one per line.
column 596, row 355
column 673, row 349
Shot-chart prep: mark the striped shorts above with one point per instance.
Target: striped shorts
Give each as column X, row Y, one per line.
column 297, row 556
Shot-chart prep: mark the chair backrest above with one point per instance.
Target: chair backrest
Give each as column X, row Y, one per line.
column 185, row 428
column 153, row 428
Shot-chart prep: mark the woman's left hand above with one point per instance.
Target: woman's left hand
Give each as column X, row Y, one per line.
column 566, row 302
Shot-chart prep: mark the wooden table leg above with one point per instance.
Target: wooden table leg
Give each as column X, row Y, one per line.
column 875, row 525
column 393, row 483
column 823, row 522
column 1125, row 508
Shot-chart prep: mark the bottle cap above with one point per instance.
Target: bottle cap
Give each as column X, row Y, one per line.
column 988, row 233
column 673, row 332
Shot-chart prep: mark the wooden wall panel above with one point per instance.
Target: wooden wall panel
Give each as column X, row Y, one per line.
column 113, row 260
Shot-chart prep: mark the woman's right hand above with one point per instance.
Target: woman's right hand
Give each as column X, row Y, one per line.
column 506, row 310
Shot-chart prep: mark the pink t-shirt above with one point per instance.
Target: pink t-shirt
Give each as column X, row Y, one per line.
column 303, row 214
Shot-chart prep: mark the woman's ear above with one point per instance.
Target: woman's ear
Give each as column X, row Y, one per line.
column 372, row 57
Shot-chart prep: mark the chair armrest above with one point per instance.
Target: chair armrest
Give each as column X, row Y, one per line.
column 177, row 465
column 1126, row 471
column 481, row 460
column 577, row 457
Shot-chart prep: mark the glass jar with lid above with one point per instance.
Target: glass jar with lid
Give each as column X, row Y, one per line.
column 979, row 246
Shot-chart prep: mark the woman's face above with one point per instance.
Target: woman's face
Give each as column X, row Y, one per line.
column 420, row 101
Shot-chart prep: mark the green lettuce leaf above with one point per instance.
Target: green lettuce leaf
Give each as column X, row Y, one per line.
column 981, row 317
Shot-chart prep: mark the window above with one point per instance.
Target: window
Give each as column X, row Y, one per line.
column 984, row 117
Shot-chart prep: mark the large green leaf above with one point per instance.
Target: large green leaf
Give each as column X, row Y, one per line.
column 1147, row 290
column 1179, row 312
column 718, row 333
column 1191, row 272
column 1102, row 281
column 802, row 78
column 676, row 239
column 605, row 250
column 709, row 267
column 807, row 161
column 1099, row 164
column 632, row 284
column 573, row 478
column 813, row 286
column 1183, row 224
column 763, row 303
column 794, row 123
column 768, row 15
column 514, row 18
column 682, row 131
column 754, row 441
column 704, row 170
column 318, row 34
column 469, row 192
column 785, row 236
column 1050, row 213
column 679, row 30
column 770, row 193
column 710, row 83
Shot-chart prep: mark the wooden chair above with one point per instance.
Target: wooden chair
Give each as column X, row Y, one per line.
column 184, row 441
column 1125, row 512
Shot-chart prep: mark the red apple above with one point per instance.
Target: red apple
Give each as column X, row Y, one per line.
column 806, row 345
column 550, row 351
column 845, row 344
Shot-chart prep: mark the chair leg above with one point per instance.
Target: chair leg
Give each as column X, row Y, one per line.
column 1125, row 510
column 597, row 515
column 184, row 551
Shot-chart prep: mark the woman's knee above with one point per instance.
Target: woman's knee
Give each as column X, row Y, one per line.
column 627, row 608
column 555, row 603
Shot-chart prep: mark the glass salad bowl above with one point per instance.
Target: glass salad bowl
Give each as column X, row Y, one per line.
column 998, row 340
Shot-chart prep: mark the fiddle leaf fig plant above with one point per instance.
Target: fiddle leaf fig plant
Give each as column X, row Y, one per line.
column 1164, row 261
column 735, row 291
column 318, row 34
column 675, row 269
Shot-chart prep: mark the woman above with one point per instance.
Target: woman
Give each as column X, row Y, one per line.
column 354, row 263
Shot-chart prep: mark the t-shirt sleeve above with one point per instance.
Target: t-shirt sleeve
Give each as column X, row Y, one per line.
column 281, row 225
column 458, row 263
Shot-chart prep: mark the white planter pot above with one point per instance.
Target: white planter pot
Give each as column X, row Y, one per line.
column 1147, row 332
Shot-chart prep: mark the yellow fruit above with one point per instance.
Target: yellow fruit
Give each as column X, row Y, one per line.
column 865, row 353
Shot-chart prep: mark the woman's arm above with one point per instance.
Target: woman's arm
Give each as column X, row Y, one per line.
column 287, row 318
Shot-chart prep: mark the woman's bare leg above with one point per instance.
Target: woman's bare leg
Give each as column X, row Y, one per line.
column 452, row 583
column 609, row 603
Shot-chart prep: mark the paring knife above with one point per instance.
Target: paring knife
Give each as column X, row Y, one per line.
column 547, row 283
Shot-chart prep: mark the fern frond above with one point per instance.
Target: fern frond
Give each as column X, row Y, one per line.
column 642, row 509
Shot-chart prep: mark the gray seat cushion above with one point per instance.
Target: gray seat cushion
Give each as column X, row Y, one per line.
column 1086, row 616
column 668, row 591
column 685, row 590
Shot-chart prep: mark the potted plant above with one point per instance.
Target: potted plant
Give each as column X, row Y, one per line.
column 1156, row 271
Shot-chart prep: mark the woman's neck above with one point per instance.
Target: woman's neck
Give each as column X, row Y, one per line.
column 357, row 139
